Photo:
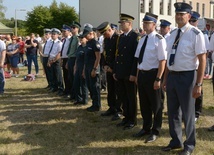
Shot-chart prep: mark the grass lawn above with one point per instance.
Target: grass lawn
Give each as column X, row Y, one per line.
column 35, row 122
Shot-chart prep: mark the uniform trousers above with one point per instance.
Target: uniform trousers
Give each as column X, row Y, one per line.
column 93, row 84
column 150, row 101
column 47, row 72
column 80, row 87
column 181, row 104
column 128, row 92
column 65, row 75
column 71, row 63
column 57, row 76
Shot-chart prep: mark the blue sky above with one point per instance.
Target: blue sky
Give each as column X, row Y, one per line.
column 28, row 5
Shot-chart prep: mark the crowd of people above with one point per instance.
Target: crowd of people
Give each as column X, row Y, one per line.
column 76, row 64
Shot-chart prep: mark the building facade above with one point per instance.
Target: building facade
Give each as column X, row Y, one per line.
column 98, row 11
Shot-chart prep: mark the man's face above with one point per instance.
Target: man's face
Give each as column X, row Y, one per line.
column 182, row 18
column 164, row 30
column 193, row 22
column 107, row 34
column 148, row 26
column 125, row 25
column 65, row 33
column 54, row 36
column 74, row 29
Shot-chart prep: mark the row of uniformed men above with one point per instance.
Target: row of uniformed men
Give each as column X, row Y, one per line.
column 129, row 62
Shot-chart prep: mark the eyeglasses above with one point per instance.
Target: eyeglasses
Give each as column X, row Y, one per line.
column 192, row 20
column 73, row 27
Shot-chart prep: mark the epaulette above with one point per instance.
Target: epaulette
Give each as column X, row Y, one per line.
column 159, row 36
column 172, row 31
column 195, row 31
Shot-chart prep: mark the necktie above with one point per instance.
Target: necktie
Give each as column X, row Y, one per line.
column 142, row 50
column 44, row 47
column 174, row 48
column 69, row 47
column 50, row 49
column 63, row 47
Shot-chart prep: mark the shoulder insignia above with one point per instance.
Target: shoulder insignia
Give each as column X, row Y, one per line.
column 159, row 36
column 173, row 31
column 195, row 31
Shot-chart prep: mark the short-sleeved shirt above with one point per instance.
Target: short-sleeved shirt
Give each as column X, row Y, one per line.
column 12, row 47
column 155, row 51
column 74, row 44
column 2, row 47
column 47, row 47
column 32, row 50
column 66, row 42
column 92, row 46
column 191, row 44
column 56, row 49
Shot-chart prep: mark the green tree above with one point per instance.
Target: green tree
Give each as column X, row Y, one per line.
column 2, row 10
column 53, row 16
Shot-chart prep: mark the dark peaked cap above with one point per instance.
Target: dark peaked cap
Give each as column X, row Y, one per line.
column 76, row 24
column 181, row 7
column 195, row 15
column 125, row 17
column 103, row 27
column 164, row 23
column 149, row 17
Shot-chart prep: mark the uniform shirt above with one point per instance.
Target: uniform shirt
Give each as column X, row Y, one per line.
column 190, row 45
column 92, row 46
column 74, row 44
column 65, row 48
column 80, row 58
column 47, row 47
column 12, row 47
column 155, row 51
column 211, row 43
column 56, row 48
column 2, row 47
column 166, row 35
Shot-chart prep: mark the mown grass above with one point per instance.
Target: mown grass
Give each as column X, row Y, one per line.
column 35, row 122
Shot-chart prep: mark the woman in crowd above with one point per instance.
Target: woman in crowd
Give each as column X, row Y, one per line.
column 13, row 53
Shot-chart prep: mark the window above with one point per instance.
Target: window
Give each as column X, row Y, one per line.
column 203, row 10
column 142, row 7
column 161, row 7
column 184, row 1
column 169, row 8
column 150, row 6
column 197, row 7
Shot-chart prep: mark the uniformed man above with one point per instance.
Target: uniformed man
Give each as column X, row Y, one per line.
column 91, row 68
column 66, row 34
column 46, row 50
column 125, row 71
column 151, row 55
column 54, row 61
column 199, row 101
column 71, row 53
column 165, row 28
column 109, row 51
column 182, row 83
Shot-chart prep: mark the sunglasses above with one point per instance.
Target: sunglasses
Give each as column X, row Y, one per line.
column 192, row 21
column 73, row 27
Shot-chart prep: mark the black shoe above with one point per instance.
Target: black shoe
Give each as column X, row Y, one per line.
column 60, row 93
column 122, row 123
column 169, row 148
column 116, row 116
column 79, row 103
column 128, row 126
column 185, row 152
column 142, row 133
column 151, row 138
column 109, row 112
column 93, row 109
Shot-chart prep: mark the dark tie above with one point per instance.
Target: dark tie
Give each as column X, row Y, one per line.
column 50, row 49
column 63, row 46
column 174, row 48
column 44, row 46
column 142, row 50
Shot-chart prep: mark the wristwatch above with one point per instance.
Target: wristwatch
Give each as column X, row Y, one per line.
column 157, row 79
column 198, row 84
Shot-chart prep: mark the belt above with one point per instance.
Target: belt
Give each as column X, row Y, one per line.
column 180, row 72
column 151, row 70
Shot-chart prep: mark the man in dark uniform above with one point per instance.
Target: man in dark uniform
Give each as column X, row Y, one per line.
column 71, row 53
column 183, row 84
column 125, row 71
column 110, row 45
